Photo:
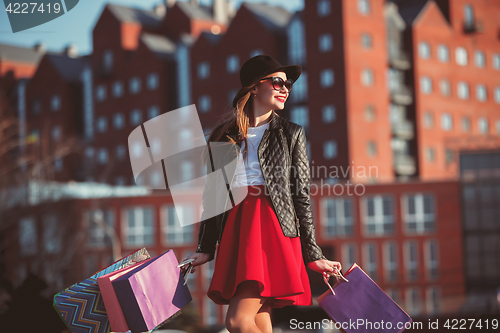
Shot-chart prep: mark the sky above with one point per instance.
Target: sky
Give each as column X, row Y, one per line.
column 75, row 27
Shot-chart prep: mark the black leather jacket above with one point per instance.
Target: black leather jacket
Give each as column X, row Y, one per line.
column 282, row 155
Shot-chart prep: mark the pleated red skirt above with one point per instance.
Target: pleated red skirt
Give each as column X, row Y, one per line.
column 254, row 248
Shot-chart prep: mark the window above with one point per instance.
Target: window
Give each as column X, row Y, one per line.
column 300, row 115
column 107, row 61
column 56, row 133
column 372, row 148
column 412, row 301
column 364, row 7
column 173, row 233
column 323, row 7
column 370, row 259
column 433, row 300
column 448, row 156
column 370, row 113
column 468, row 15
column 481, row 92
column 28, row 244
column 461, row 56
column 349, row 254
column 138, row 226
column 330, row 149
column 430, row 154
column 205, row 103
column 325, row 42
column 411, row 260
column 184, row 87
column 100, row 93
column 497, row 125
column 431, row 259
column 58, row 164
column 153, row 81
column 327, row 78
column 424, row 50
column 121, row 152
column 134, row 85
column 463, row 90
column 444, row 86
column 153, row 111
column 256, row 52
column 232, row 63
column 118, row 120
column 465, row 124
column 338, row 218
column 367, row 77
column 203, row 70
column 187, row 172
column 446, row 122
column 418, row 213
column 135, row 117
column 52, row 239
column 296, row 42
column 102, row 156
column 390, row 261
column 483, row 125
column 102, row 124
column 55, row 103
column 328, row 113
column 426, row 84
column 299, row 92
column 428, row 120
column 97, row 221
column 479, row 59
column 378, row 215
column 117, row 88
column 496, row 61
column 443, row 53
column 366, row 40
column 36, row 106
column 497, row 95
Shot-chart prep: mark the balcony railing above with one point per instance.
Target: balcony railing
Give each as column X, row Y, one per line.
column 472, row 27
column 399, row 60
column 404, row 165
column 403, row 130
column 402, row 95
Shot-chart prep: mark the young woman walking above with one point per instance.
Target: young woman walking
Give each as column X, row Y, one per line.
column 266, row 240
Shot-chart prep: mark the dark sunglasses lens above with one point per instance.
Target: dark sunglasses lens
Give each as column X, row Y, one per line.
column 278, row 84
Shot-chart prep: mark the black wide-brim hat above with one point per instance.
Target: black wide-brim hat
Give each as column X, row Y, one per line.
column 254, row 69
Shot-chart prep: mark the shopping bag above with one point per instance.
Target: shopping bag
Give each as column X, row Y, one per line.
column 114, row 311
column 81, row 306
column 152, row 293
column 359, row 305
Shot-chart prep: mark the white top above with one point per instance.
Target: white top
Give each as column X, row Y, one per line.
column 249, row 173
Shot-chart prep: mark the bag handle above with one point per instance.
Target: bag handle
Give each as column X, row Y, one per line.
column 337, row 276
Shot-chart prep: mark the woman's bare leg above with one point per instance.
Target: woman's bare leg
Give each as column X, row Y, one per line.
column 263, row 319
column 243, row 308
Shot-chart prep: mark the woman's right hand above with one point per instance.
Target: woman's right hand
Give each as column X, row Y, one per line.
column 199, row 259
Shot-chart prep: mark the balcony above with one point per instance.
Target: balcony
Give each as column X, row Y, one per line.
column 473, row 26
column 401, row 95
column 403, row 130
column 399, row 60
column 404, row 165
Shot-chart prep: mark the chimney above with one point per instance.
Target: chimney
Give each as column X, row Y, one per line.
column 220, row 9
column 160, row 9
column 39, row 47
column 71, row 51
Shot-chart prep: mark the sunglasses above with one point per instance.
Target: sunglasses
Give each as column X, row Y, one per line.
column 279, row 83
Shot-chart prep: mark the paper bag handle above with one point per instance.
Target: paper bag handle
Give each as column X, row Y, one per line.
column 337, row 276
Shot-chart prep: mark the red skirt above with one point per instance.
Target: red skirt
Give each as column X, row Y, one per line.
column 254, row 248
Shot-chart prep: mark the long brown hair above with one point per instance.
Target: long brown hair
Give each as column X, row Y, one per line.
column 238, row 117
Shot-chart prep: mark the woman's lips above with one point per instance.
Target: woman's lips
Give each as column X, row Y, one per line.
column 281, row 99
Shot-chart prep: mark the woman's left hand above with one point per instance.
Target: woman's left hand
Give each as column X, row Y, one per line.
column 325, row 266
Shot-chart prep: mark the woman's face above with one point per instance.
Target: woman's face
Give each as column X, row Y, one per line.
column 267, row 97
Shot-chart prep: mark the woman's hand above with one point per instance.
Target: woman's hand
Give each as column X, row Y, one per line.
column 325, row 266
column 199, row 259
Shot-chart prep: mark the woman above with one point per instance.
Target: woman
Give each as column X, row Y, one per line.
column 265, row 239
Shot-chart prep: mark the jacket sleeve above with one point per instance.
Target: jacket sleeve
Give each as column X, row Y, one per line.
column 300, row 177
column 207, row 232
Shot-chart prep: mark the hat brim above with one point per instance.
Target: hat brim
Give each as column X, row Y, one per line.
column 292, row 73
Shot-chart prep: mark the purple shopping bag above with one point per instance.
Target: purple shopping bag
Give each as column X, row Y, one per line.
column 359, row 305
column 152, row 293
